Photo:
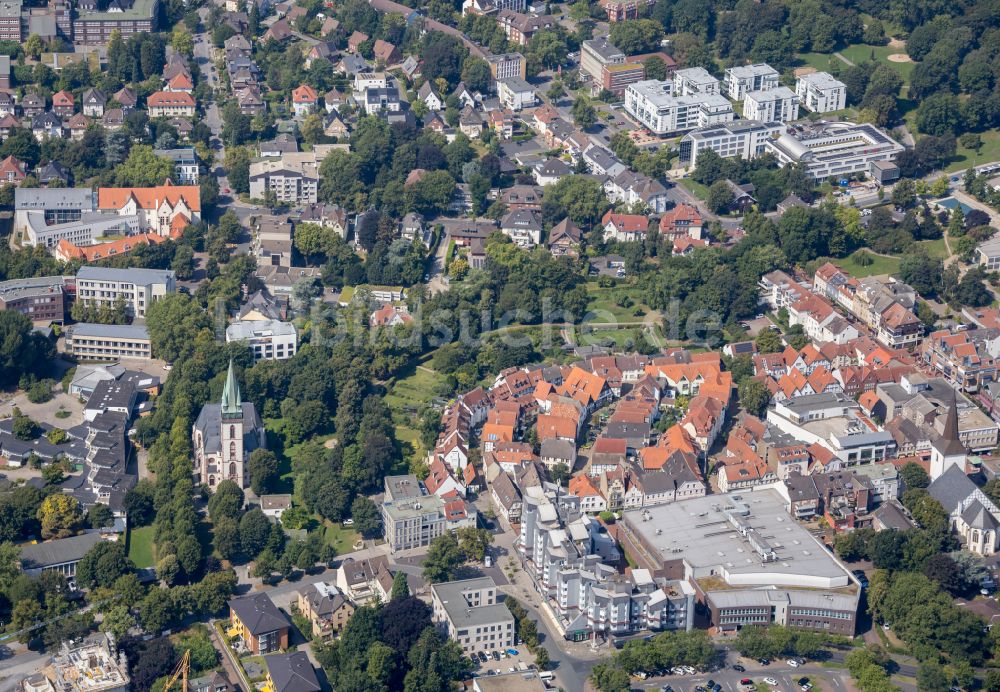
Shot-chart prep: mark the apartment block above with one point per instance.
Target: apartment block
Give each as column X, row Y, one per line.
column 744, row 138
column 138, row 287
column 268, row 339
column 113, row 342
column 294, row 178
column 515, row 93
column 738, row 81
column 470, row 613
column 695, row 80
column 653, row 105
column 821, row 93
column 779, row 104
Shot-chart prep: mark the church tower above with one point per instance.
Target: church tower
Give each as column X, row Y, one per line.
column 231, row 434
column 947, row 450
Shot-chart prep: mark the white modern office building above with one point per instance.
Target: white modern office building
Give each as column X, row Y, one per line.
column 738, row 81
column 652, row 104
column 268, row 339
column 744, row 138
column 821, row 93
column 834, row 149
column 779, row 104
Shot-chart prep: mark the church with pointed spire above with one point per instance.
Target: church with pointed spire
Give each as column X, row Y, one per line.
column 224, row 436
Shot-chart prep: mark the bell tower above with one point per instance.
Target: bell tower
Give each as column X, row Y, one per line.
column 231, row 434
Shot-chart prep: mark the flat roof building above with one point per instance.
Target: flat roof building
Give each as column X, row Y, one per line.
column 91, row 341
column 834, row 149
column 268, row 339
column 779, row 104
column 468, row 612
column 654, row 105
column 139, row 288
column 821, row 93
column 695, row 80
column 739, row 80
column 40, row 299
column 744, row 138
column 748, row 561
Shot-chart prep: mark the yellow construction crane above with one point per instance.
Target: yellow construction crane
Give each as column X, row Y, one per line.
column 180, row 672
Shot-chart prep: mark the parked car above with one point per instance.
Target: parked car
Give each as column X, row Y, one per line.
column 771, row 681
column 739, row 669
column 792, row 662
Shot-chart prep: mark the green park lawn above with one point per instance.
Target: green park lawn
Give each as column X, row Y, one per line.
column 860, row 52
column 603, row 301
column 340, row 538
column 140, row 546
column 823, row 62
column 406, row 397
column 879, row 265
column 622, row 338
column 989, row 152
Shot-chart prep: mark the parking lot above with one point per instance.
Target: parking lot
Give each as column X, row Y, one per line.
column 507, row 663
column 776, row 676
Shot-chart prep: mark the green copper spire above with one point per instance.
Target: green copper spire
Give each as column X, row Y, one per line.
column 232, row 404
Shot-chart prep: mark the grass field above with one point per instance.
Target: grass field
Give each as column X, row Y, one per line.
column 342, row 539
column 696, row 189
column 622, row 338
column 823, row 62
column 879, row 265
column 860, row 53
column 406, row 397
column 604, row 301
column 140, row 546
column 989, row 152
column 935, row 248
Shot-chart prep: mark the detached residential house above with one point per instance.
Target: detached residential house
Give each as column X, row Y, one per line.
column 63, row 104
column 325, row 607
column 126, row 98
column 624, row 227
column 32, row 104
column 523, row 226
column 304, row 100
column 12, row 171
column 385, row 52
column 94, row 102
column 600, row 161
column 564, row 239
column 263, row 628
column 363, row 580
column 46, row 125
column 430, row 97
